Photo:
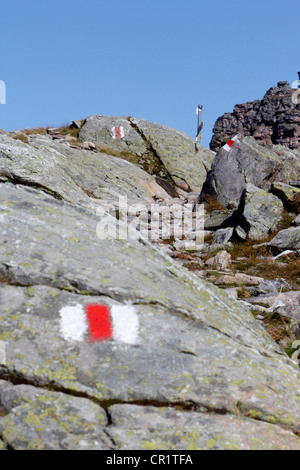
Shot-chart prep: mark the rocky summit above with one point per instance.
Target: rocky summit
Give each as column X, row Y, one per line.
column 134, row 318
column 274, row 120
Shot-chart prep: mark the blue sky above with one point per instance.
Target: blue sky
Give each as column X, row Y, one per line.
column 151, row 59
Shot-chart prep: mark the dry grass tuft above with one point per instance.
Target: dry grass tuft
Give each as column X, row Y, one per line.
column 21, row 136
column 212, row 204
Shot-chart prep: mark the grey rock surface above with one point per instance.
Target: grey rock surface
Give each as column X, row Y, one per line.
column 218, row 219
column 148, row 428
column 222, row 236
column 249, row 162
column 289, row 195
column 221, row 261
column 190, row 358
column 168, row 153
column 37, row 419
column 262, row 212
column 100, row 131
column 78, row 176
column 288, row 239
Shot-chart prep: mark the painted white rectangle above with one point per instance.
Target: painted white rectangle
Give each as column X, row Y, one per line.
column 2, row 92
column 125, row 323
column 73, row 322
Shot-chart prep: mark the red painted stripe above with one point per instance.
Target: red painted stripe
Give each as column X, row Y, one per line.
column 230, row 143
column 99, row 322
column 118, row 134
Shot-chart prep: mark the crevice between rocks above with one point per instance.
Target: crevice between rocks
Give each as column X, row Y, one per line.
column 189, row 406
column 71, row 286
column 18, row 379
column 167, row 183
column 245, row 414
column 13, row 179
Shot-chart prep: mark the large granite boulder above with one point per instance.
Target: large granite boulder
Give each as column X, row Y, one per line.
column 288, row 239
column 262, row 212
column 274, row 120
column 106, row 342
column 168, row 153
column 78, row 176
column 182, row 345
column 249, row 161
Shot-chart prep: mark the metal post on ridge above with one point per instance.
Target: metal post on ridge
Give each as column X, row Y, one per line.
column 199, row 126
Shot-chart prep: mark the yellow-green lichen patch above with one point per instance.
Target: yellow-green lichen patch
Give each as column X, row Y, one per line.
column 211, row 444
column 36, row 444
column 33, row 421
column 252, row 413
column 156, row 444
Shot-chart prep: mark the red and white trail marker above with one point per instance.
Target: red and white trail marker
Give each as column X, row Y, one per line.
column 229, row 144
column 99, row 322
column 117, row 132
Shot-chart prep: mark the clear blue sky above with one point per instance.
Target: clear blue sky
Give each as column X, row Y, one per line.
column 153, row 59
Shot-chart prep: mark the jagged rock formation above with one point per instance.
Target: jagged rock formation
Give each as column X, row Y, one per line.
column 195, row 370
column 274, row 120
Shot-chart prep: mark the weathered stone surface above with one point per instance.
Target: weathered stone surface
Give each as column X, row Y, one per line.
column 100, row 131
column 289, row 195
column 222, row 236
column 81, row 177
column 269, row 286
column 77, row 124
column 274, row 120
column 168, row 153
column 177, row 153
column 218, row 219
column 148, row 428
column 240, row 233
column 239, row 279
column 249, row 162
column 221, row 261
column 288, row 239
column 262, row 212
column 197, row 350
column 42, row 420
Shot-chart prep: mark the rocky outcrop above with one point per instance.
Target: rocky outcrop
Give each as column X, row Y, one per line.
column 273, row 120
column 75, row 175
column 167, row 153
column 261, row 212
column 249, row 161
column 180, row 365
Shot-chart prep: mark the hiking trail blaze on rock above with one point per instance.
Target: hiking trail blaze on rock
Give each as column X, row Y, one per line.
column 113, row 343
